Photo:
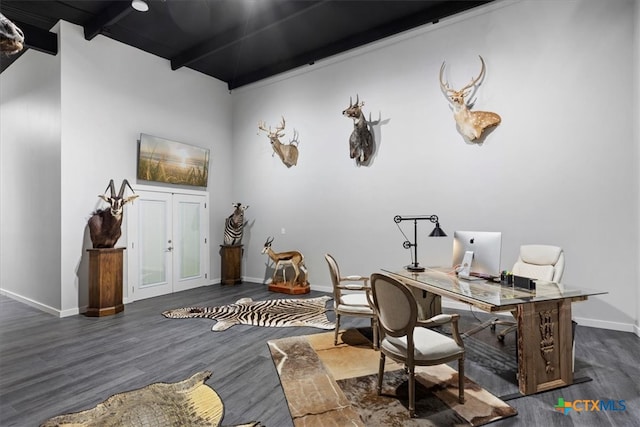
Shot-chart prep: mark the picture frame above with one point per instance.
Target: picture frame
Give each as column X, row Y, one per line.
column 172, row 162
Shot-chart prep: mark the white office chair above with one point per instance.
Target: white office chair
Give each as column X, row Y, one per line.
column 541, row 262
column 351, row 297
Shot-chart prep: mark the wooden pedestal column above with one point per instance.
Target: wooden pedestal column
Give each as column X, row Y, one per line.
column 105, row 282
column 231, row 268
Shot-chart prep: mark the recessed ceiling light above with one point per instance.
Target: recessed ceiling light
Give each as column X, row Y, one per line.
column 140, row 5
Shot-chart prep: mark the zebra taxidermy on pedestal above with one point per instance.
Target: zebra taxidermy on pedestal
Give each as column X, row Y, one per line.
column 234, row 225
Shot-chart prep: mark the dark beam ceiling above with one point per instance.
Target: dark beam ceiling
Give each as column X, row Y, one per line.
column 236, row 41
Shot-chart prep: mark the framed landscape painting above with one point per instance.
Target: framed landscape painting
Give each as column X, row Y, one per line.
column 172, row 162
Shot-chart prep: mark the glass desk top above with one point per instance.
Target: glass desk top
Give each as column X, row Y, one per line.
column 493, row 296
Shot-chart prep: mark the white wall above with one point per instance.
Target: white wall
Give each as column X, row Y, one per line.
column 110, row 94
column 562, row 165
column 30, row 180
column 560, row 169
column 637, row 139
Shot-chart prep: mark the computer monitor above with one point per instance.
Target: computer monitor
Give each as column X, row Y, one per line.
column 477, row 253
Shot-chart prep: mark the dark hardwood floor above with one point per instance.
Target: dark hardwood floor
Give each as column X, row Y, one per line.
column 50, row 366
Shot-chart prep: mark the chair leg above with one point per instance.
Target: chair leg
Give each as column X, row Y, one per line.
column 374, row 326
column 412, row 392
column 461, row 380
column 335, row 337
column 381, row 372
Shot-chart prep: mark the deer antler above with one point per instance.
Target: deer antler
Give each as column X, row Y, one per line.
column 263, row 126
column 477, row 79
column 280, row 128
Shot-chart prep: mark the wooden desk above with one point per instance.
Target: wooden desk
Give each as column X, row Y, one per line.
column 543, row 315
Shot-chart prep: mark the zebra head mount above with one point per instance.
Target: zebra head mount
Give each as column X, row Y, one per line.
column 11, row 37
column 234, row 225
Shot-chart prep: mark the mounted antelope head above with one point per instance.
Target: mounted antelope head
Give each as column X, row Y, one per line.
column 361, row 141
column 282, row 259
column 288, row 153
column 11, row 37
column 470, row 123
column 104, row 224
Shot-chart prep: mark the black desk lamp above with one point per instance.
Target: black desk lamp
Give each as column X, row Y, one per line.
column 437, row 232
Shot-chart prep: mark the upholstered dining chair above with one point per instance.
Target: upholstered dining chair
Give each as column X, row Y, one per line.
column 410, row 341
column 351, row 297
column 541, row 262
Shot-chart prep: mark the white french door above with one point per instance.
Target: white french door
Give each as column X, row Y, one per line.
column 167, row 243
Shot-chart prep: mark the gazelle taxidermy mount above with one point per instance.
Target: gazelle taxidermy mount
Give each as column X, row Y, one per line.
column 104, row 224
column 288, row 153
column 361, row 139
column 282, row 259
column 470, row 123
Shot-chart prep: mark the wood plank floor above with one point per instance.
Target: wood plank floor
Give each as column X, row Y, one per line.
column 50, row 366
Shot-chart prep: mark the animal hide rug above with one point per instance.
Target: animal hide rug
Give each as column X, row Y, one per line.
column 275, row 313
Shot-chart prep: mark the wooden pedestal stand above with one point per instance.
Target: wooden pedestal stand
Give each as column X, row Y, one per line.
column 279, row 283
column 287, row 288
column 105, row 282
column 231, row 268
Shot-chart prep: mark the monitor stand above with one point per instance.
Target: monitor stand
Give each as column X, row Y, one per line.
column 465, row 267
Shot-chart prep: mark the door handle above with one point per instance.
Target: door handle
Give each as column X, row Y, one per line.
column 169, row 249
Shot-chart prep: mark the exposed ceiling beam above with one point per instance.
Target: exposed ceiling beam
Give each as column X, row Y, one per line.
column 237, row 35
column 430, row 15
column 109, row 16
column 38, row 39
column 34, row 38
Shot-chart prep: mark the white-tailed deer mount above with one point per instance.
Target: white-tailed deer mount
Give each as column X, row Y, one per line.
column 288, row 153
column 105, row 224
column 11, row 37
column 283, row 259
column 471, row 124
column 361, row 143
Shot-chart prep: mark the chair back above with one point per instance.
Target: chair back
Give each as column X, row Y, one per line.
column 334, row 272
column 542, row 262
column 395, row 306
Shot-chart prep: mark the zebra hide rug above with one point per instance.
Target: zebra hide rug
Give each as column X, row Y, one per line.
column 278, row 313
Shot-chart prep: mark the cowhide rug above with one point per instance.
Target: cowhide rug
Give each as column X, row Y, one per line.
column 276, row 313
column 336, row 385
column 186, row 403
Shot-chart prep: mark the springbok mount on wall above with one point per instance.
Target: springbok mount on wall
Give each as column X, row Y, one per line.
column 471, row 124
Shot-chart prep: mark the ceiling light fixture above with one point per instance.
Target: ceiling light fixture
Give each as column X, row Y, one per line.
column 139, row 5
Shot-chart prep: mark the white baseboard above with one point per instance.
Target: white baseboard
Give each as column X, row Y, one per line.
column 636, row 330
column 38, row 305
column 604, row 324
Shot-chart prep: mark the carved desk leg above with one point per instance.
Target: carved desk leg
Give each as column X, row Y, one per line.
column 544, row 346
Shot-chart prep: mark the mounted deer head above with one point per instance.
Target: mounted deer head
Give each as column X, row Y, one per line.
column 470, row 123
column 288, row 153
column 11, row 37
column 361, row 143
